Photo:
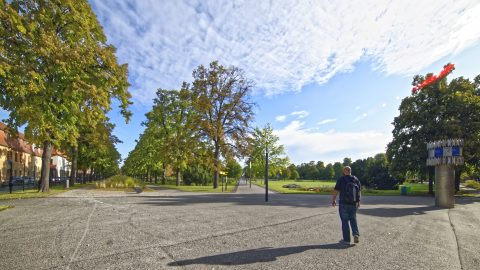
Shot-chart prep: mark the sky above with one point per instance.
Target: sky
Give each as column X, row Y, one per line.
column 329, row 75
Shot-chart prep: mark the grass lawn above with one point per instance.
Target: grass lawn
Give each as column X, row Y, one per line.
column 33, row 193
column 4, row 207
column 325, row 187
column 192, row 188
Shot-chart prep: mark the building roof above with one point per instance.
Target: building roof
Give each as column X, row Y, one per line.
column 21, row 145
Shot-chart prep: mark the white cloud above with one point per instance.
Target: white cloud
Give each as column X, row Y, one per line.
column 384, row 105
column 282, row 45
column 360, row 117
column 300, row 114
column 357, row 108
column 281, row 118
column 326, row 121
column 305, row 145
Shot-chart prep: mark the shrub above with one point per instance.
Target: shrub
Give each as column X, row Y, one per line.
column 472, row 184
column 120, row 181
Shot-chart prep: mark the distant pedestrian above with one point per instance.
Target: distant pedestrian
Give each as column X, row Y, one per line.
column 349, row 188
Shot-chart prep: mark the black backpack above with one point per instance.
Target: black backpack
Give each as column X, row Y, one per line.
column 352, row 190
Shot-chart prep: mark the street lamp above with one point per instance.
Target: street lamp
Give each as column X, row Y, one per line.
column 266, row 171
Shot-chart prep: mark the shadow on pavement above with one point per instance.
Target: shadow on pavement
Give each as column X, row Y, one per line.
column 254, row 255
column 304, row 201
column 396, row 212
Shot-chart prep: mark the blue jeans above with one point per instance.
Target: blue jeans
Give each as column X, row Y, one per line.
column 348, row 213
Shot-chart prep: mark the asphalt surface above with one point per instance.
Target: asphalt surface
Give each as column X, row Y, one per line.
column 168, row 229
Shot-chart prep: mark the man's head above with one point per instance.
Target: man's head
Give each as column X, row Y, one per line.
column 347, row 170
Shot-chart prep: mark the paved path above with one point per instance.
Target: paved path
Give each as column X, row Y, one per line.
column 244, row 187
column 169, row 229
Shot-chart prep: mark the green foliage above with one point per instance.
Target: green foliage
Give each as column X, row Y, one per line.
column 197, row 174
column 472, row 184
column 234, row 170
column 220, row 95
column 374, row 172
column 56, row 68
column 265, row 139
column 120, row 181
column 440, row 111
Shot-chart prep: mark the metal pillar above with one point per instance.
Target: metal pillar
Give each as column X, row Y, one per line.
column 444, row 186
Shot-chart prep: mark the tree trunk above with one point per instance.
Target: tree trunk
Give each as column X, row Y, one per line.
column 84, row 176
column 177, row 175
column 164, row 178
column 431, row 173
column 216, row 164
column 156, row 177
column 44, row 177
column 73, row 171
column 148, row 175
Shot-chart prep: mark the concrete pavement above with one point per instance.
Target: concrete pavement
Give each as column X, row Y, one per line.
column 169, row 229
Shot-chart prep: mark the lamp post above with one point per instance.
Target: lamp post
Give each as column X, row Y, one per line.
column 266, row 172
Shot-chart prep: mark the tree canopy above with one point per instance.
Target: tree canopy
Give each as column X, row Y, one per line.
column 439, row 111
column 55, row 68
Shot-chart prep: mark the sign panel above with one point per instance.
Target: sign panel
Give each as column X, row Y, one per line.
column 456, row 151
column 439, row 152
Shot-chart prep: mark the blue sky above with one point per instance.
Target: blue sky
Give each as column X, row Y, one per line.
column 329, row 75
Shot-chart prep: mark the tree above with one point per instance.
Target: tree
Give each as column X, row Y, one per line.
column 172, row 116
column 329, row 172
column 55, row 68
column 293, row 172
column 221, row 97
column 234, row 170
column 338, row 169
column 264, row 139
column 347, row 162
column 440, row 111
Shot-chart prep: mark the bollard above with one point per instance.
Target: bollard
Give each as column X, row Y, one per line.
column 444, row 186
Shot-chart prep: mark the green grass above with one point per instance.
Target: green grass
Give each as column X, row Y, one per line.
column 325, row 187
column 193, row 188
column 318, row 186
column 33, row 193
column 4, row 207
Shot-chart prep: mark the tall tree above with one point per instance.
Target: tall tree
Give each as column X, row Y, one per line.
column 221, row 97
column 55, row 67
column 264, row 139
column 172, row 117
column 439, row 111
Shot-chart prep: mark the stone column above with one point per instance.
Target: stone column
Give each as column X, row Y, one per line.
column 444, row 186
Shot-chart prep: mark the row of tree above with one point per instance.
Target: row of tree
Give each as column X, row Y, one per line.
column 58, row 76
column 196, row 130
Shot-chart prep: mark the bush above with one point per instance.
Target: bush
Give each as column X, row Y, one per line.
column 120, row 181
column 472, row 184
column 319, row 189
column 197, row 174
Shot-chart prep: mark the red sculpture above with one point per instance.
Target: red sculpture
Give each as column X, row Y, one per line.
column 431, row 79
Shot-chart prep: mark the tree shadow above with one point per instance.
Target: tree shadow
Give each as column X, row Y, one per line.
column 294, row 200
column 250, row 256
column 396, row 212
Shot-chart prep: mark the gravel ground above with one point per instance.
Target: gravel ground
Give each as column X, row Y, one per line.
column 168, row 229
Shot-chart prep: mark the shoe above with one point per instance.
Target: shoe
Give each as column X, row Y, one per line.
column 345, row 243
column 355, row 239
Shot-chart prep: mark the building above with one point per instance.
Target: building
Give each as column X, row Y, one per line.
column 25, row 158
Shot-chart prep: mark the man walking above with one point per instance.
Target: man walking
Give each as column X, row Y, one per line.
column 349, row 188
